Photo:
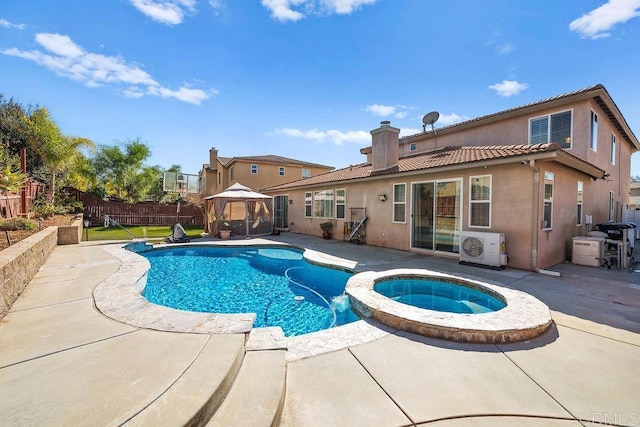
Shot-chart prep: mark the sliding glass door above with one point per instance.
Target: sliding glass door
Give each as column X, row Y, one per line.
column 436, row 215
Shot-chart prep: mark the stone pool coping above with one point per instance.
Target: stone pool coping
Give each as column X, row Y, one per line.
column 523, row 318
column 119, row 296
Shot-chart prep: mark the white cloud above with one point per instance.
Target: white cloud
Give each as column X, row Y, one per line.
column 451, row 119
column 335, row 136
column 216, row 5
column 509, row 88
column 380, row 110
column 409, row 131
column 397, row 111
column 598, row 22
column 345, row 7
column 7, row 24
column 65, row 58
column 294, row 10
column 170, row 12
column 505, row 49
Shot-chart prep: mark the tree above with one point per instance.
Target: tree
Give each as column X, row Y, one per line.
column 57, row 151
column 122, row 170
column 15, row 134
column 635, row 178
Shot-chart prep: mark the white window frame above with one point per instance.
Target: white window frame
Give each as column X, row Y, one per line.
column 306, row 173
column 341, row 201
column 580, row 202
column 323, row 203
column 254, row 169
column 594, row 132
column 281, row 171
column 480, row 201
column 614, row 147
column 399, row 203
column 549, row 120
column 232, row 173
column 308, row 204
column 413, row 146
column 548, row 179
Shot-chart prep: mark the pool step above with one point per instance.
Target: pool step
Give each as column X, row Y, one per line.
column 196, row 394
column 257, row 395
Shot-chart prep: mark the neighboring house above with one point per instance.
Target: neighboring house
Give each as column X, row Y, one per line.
column 254, row 172
column 541, row 173
column 634, row 199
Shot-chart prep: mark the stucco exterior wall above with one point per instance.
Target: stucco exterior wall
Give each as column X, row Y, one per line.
column 268, row 175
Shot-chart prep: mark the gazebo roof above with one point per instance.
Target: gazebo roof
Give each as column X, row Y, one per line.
column 239, row 192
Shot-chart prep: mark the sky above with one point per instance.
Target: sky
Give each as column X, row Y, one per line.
column 305, row 79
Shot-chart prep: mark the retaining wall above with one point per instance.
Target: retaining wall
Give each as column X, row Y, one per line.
column 21, row 261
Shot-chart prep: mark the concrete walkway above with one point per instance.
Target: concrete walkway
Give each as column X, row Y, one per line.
column 63, row 363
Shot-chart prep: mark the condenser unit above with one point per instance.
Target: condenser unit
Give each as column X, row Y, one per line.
column 483, row 248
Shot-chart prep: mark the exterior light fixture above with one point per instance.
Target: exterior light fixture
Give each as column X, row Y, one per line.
column 86, row 223
column 382, row 197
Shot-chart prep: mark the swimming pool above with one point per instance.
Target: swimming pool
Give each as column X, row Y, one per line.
column 439, row 295
column 275, row 283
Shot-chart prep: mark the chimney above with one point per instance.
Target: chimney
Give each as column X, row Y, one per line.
column 385, row 147
column 213, row 158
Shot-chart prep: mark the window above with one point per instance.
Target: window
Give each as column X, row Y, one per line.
column 580, row 200
column 613, row 149
column 480, row 201
column 413, row 146
column 548, row 201
column 552, row 128
column 306, row 173
column 611, row 212
column 341, row 201
column 232, row 173
column 307, row 204
column 399, row 202
column 281, row 170
column 323, row 204
column 594, row 131
column 219, row 178
column 254, row 169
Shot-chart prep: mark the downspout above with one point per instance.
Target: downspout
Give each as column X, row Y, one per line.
column 535, row 223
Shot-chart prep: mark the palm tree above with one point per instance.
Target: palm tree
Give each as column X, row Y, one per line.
column 57, row 151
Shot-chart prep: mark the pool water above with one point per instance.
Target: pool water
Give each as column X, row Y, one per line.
column 439, row 296
column 275, row 283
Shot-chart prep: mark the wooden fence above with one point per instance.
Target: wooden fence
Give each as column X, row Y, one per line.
column 136, row 213
column 11, row 203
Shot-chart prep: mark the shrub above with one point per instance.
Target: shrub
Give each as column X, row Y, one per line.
column 15, row 224
column 43, row 210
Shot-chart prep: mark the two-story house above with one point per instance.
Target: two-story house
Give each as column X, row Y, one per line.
column 540, row 173
column 254, row 172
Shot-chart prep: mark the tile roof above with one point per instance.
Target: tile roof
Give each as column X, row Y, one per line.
column 443, row 157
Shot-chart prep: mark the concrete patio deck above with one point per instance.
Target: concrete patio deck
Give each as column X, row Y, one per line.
column 64, row 363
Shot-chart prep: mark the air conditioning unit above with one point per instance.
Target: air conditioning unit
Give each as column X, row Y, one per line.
column 483, row 249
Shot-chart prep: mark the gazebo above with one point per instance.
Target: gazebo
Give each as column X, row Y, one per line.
column 247, row 212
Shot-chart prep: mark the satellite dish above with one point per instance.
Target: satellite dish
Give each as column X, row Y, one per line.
column 430, row 119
